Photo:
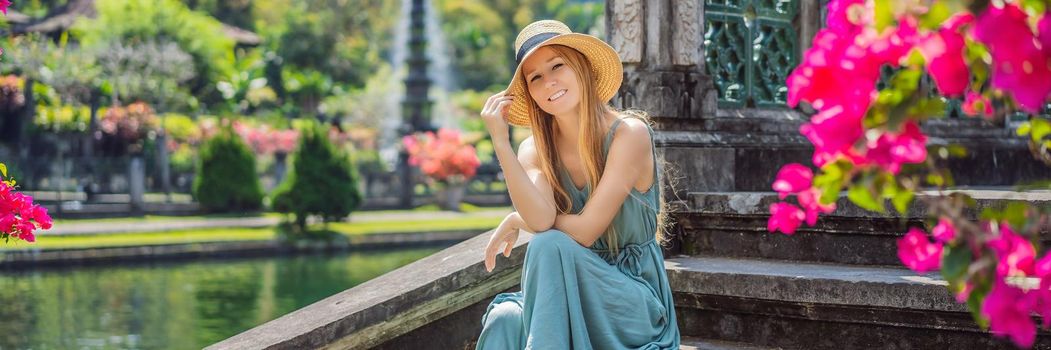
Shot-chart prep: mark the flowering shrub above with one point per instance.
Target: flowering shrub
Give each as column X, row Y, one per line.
column 264, row 140
column 124, row 128
column 19, row 217
column 996, row 56
column 11, row 96
column 442, row 157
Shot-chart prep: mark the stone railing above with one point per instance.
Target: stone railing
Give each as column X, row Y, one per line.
column 433, row 303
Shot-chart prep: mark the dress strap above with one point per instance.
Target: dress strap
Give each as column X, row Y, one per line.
column 653, row 150
column 611, row 132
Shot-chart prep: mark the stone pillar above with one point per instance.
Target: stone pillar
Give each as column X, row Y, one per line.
column 660, row 43
column 705, row 147
column 416, row 108
column 136, row 184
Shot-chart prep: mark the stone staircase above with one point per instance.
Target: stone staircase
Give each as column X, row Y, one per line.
column 835, row 286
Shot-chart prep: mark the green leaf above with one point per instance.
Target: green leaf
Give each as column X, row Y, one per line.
column 831, row 180
column 884, row 13
column 1041, row 128
column 958, row 151
column 935, row 180
column 928, row 107
column 939, row 11
column 902, row 200
column 874, row 117
column 1024, row 128
column 1014, row 213
column 907, row 80
column 955, row 261
column 3, row 170
column 915, row 59
column 1034, row 6
column 864, row 197
column 888, row 187
column 974, row 303
column 991, row 214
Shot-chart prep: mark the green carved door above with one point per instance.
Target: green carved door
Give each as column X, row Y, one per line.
column 750, row 48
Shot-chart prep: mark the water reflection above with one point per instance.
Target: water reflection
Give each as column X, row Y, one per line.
column 174, row 305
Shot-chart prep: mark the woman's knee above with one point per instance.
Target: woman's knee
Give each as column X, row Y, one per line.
column 550, row 240
column 506, row 316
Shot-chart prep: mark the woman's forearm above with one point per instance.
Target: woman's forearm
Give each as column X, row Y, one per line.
column 580, row 228
column 537, row 213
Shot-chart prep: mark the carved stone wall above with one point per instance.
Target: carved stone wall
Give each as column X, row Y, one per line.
column 660, row 43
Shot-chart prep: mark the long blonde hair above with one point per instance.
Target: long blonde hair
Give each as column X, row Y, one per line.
column 589, row 141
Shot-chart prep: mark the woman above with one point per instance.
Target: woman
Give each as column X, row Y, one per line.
column 587, row 183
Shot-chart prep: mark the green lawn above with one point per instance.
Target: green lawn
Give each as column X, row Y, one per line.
column 466, row 208
column 159, row 218
column 248, row 234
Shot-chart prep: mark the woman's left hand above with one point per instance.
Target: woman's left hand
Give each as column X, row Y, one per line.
column 505, row 235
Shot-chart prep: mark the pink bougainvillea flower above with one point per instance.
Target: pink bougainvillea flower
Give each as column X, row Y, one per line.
column 975, row 104
column 845, row 16
column 895, row 43
column 784, row 217
column 7, row 222
column 1015, row 253
column 819, row 79
column 891, row 150
column 1007, row 309
column 945, row 61
column 1041, row 297
column 1021, row 67
column 3, row 5
column 1043, row 31
column 945, row 231
column 918, row 253
column 41, row 217
column 792, row 178
column 810, row 200
column 833, row 131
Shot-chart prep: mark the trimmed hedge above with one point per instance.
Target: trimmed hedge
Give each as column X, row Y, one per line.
column 226, row 178
column 322, row 181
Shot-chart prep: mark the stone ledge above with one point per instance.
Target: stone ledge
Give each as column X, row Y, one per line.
column 758, row 203
column 810, row 283
column 693, row 343
column 62, row 257
column 392, row 304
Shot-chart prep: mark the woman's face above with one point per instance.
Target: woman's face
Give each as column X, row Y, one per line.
column 551, row 83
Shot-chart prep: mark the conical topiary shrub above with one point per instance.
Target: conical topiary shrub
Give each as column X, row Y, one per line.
column 226, row 178
column 322, row 182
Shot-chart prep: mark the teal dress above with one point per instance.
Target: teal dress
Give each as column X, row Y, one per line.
column 585, row 298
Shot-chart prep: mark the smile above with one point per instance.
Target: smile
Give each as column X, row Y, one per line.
column 558, row 94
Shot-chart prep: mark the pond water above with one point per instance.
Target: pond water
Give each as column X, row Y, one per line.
column 175, row 305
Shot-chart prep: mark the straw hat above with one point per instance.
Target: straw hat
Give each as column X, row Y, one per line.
column 605, row 63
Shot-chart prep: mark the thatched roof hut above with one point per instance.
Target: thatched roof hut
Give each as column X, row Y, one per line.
column 61, row 18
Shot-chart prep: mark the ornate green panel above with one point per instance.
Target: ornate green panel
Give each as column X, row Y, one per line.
column 750, row 48
column 727, row 67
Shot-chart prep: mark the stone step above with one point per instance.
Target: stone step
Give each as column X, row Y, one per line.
column 734, row 225
column 800, row 305
column 694, row 343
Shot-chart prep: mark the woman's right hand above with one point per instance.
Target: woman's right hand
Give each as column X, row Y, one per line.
column 493, row 114
column 503, row 239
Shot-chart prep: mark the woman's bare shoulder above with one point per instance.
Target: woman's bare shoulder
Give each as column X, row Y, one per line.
column 634, row 131
column 527, row 152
